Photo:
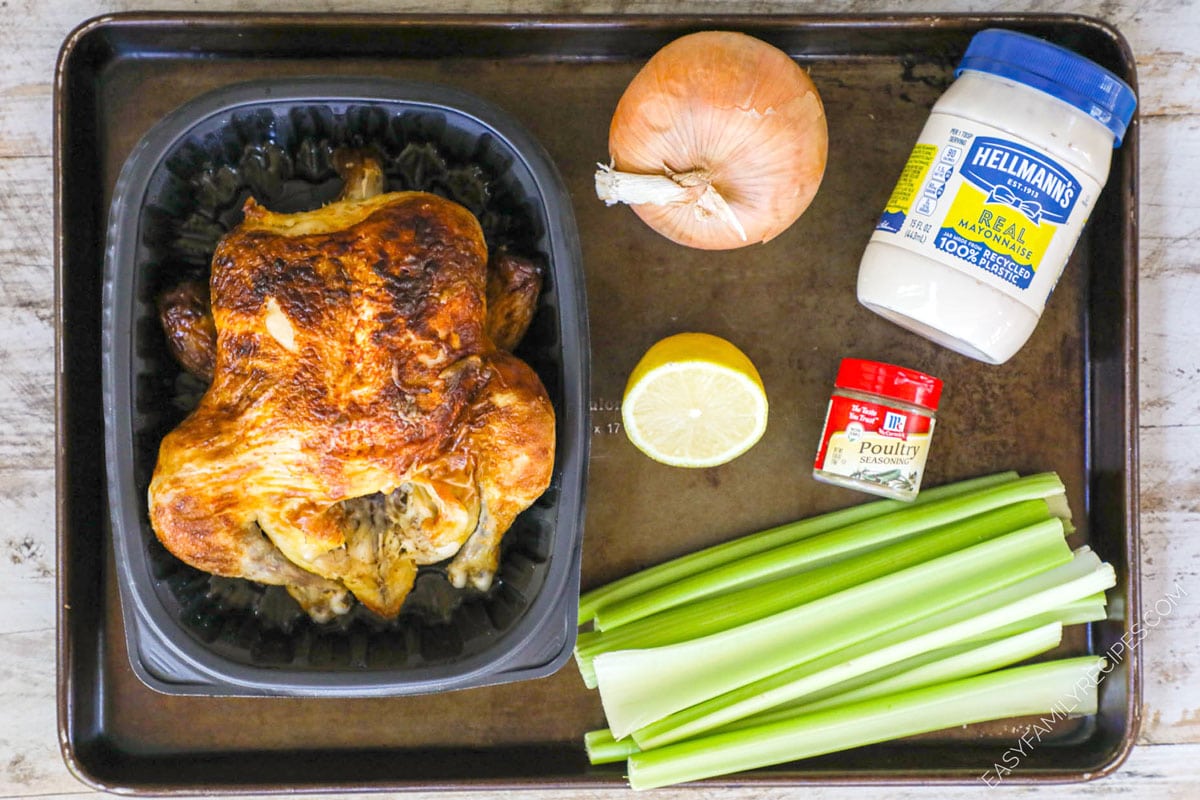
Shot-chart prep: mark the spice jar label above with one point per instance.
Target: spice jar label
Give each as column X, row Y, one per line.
column 874, row 443
column 987, row 205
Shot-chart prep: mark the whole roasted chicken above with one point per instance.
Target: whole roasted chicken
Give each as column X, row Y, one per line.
column 364, row 415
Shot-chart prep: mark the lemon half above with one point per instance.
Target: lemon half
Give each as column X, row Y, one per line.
column 694, row 400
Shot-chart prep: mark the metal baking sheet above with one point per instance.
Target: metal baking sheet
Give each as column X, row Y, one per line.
column 1067, row 402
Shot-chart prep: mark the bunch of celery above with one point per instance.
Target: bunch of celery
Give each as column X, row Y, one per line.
column 870, row 623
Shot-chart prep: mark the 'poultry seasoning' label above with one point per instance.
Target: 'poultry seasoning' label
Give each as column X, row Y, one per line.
column 875, row 443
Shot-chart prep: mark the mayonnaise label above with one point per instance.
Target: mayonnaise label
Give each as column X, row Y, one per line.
column 977, row 200
column 1018, row 177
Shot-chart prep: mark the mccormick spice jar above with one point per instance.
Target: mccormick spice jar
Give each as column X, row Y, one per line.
column 995, row 194
column 878, row 429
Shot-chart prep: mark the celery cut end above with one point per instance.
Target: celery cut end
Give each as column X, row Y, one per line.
column 602, row 748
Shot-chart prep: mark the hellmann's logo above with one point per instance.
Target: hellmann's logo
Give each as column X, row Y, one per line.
column 1018, row 177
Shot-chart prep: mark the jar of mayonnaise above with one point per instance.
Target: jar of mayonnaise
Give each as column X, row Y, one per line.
column 994, row 195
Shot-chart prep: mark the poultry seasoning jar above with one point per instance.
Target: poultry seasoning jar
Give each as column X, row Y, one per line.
column 878, row 429
column 995, row 194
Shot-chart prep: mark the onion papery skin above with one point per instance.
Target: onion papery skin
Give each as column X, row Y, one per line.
column 736, row 110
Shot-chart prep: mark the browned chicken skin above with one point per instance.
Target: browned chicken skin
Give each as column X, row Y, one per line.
column 513, row 286
column 361, row 420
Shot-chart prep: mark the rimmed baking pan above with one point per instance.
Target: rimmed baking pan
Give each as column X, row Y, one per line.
column 1067, row 402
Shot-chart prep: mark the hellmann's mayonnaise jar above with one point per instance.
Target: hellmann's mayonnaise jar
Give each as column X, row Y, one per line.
column 994, row 195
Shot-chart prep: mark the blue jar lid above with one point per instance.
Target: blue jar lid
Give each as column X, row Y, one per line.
column 1056, row 71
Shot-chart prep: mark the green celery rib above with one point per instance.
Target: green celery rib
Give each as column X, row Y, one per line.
column 638, row 687
column 939, row 666
column 728, row 610
column 829, row 547
column 602, row 748
column 1084, row 575
column 684, row 566
column 1067, row 685
column 1075, row 613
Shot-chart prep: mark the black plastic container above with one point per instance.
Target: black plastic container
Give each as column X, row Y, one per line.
column 180, row 190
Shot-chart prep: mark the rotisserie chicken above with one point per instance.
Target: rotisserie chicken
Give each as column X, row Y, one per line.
column 361, row 420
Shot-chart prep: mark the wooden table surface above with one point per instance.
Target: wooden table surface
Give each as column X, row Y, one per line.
column 1165, row 36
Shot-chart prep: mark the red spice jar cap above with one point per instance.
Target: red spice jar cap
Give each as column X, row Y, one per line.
column 898, row 383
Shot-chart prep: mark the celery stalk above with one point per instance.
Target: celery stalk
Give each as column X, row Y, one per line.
column 1076, row 613
column 638, row 687
column 728, row 610
column 940, row 666
column 602, row 748
column 1018, row 691
column 726, row 552
column 1083, row 576
column 830, row 547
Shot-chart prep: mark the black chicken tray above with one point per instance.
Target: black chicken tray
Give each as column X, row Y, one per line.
column 1067, row 402
column 181, row 189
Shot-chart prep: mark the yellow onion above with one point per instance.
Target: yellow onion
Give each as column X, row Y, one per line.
column 718, row 142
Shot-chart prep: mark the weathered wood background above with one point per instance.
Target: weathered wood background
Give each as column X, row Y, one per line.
column 1164, row 34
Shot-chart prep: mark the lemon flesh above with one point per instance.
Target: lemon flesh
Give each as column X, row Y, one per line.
column 694, row 400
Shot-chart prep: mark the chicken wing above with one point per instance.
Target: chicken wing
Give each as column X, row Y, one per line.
column 186, row 317
column 513, row 286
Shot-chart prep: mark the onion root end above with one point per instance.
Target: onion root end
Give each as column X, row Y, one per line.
column 614, row 186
